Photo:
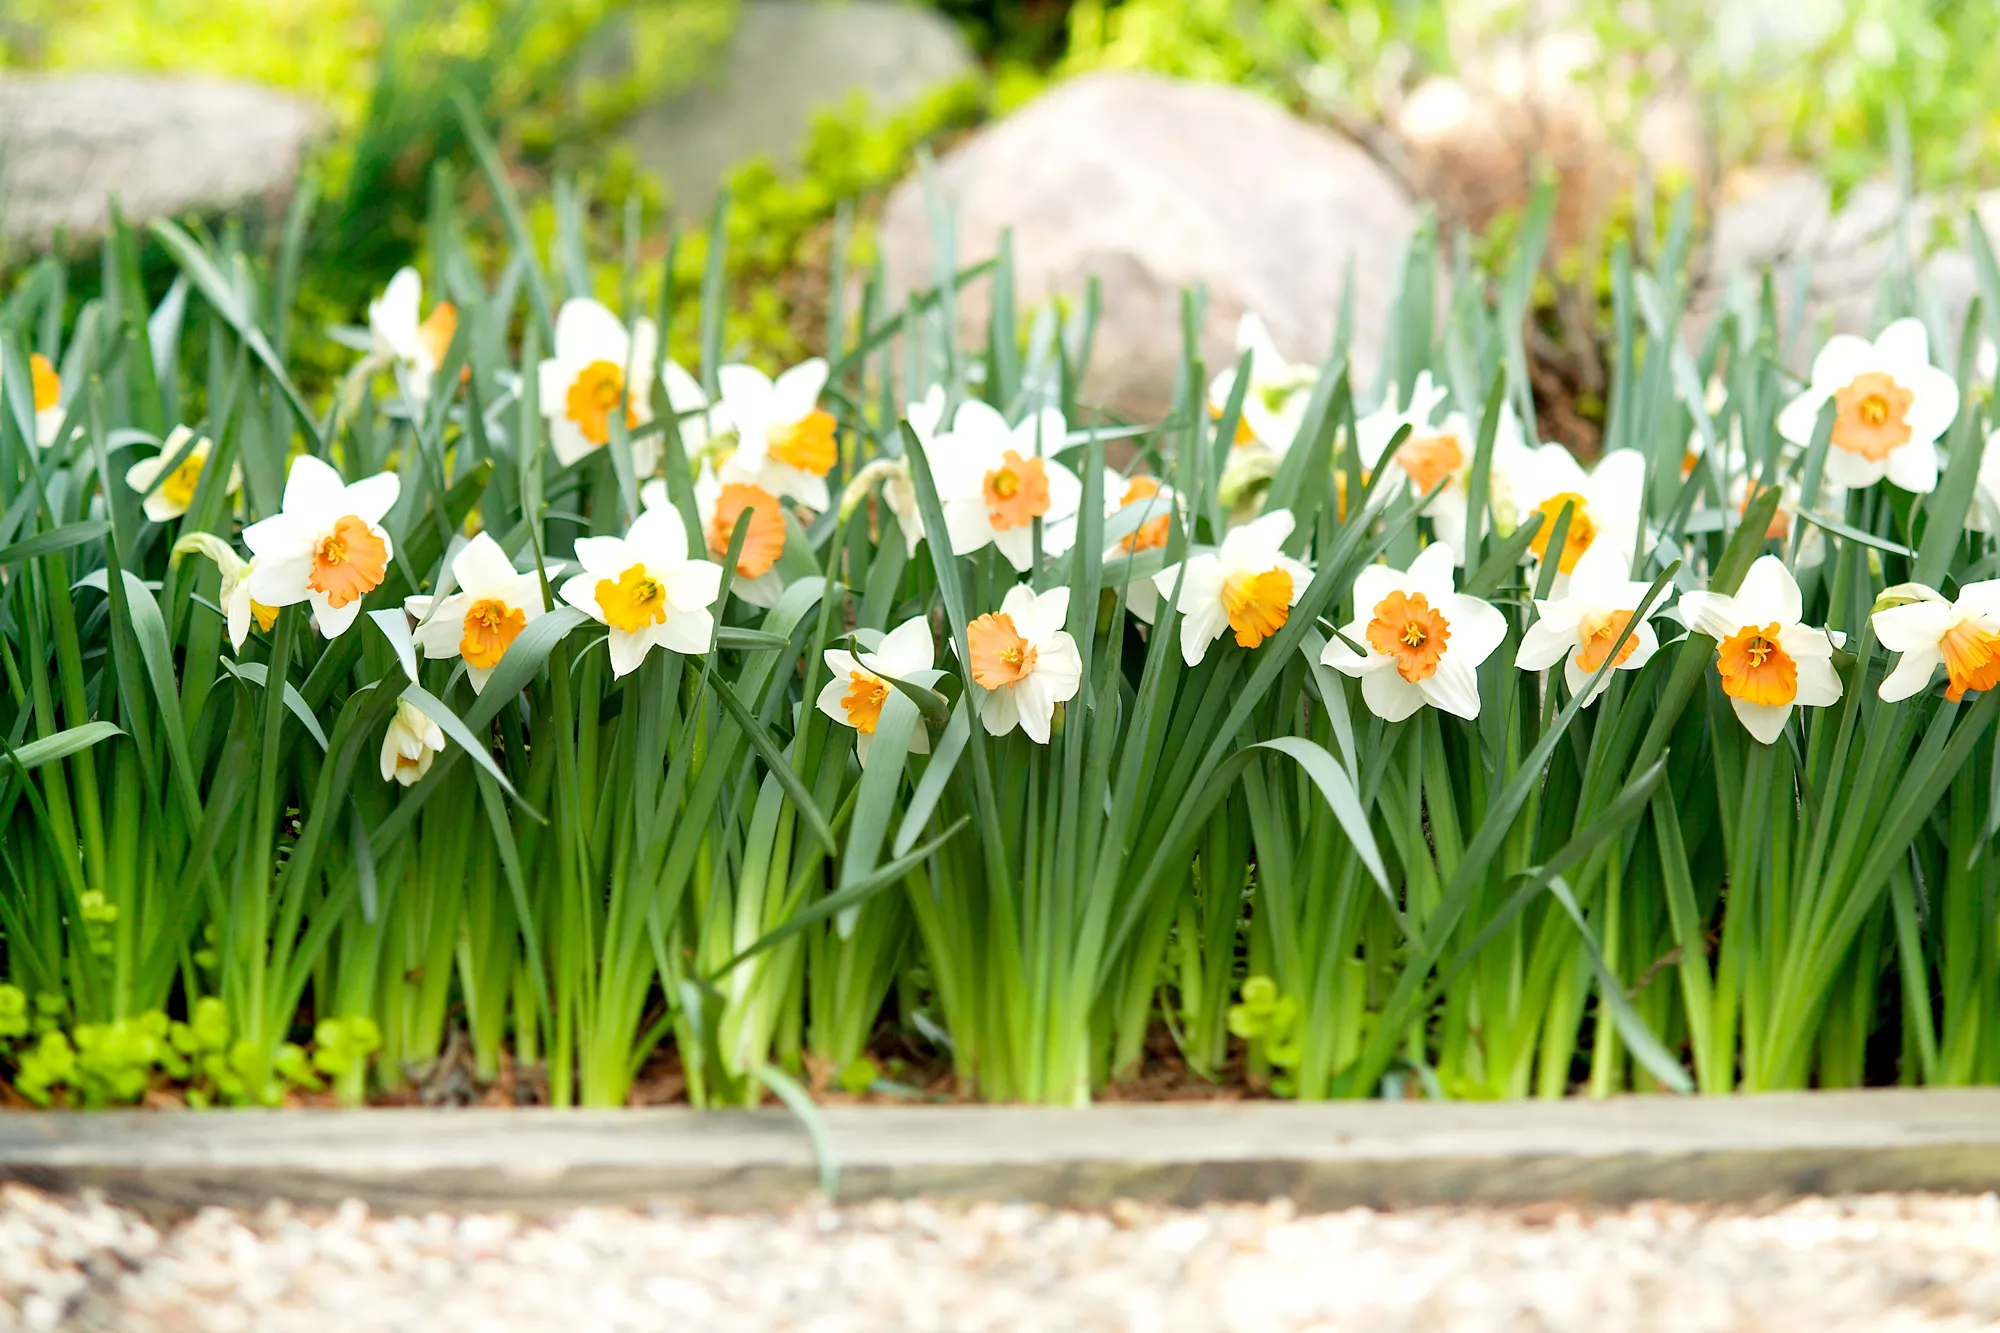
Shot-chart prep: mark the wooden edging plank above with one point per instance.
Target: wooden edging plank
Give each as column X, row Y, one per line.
column 1322, row 1156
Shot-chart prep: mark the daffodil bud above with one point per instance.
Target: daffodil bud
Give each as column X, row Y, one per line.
column 1902, row 594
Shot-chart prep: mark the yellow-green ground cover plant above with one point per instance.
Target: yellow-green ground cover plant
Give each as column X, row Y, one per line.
column 538, row 685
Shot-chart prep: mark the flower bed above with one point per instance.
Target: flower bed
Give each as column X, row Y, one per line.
column 1361, row 747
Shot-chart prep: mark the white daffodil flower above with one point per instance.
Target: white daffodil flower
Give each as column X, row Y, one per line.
column 412, row 742
column 1424, row 639
column 416, row 345
column 1156, row 506
column 1024, row 662
column 1274, row 405
column 235, row 600
column 645, row 590
column 47, row 386
column 1580, row 628
column 785, row 441
column 1768, row 661
column 1444, row 451
column 1606, row 501
column 1891, row 405
column 718, row 503
column 995, row 480
column 855, row 695
column 586, row 381
column 1435, row 455
column 1963, row 636
column 325, row 545
column 175, row 493
column 493, row 603
column 1248, row 584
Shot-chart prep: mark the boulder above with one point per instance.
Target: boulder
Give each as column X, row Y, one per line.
column 1153, row 186
column 785, row 61
column 72, row 144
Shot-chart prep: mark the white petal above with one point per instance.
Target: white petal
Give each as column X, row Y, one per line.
column 1712, row 613
column 312, row 489
column 627, row 651
column 1914, row 626
column 1765, row 722
column 796, row 394
column 587, row 331
column 1912, row 674
column 1389, row 696
column 1543, row 645
column 998, row 712
column 1904, row 341
column 1453, row 686
column 1768, row 592
column 1914, row 466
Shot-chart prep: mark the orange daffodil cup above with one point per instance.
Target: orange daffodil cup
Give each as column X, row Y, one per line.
column 1024, row 662
column 1768, row 661
column 786, row 442
column 477, row 622
column 994, row 480
column 414, row 343
column 1604, row 503
column 1962, row 636
column 325, row 545
column 1444, row 451
column 1247, row 586
column 1581, row 629
column 719, row 504
column 645, row 590
column 857, row 691
column 1891, row 405
column 1424, row 640
column 168, row 497
column 600, row 370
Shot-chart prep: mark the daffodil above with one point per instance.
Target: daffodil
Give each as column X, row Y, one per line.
column 1444, row 451
column 416, row 345
column 995, row 480
column 1274, row 404
column 1605, row 501
column 785, row 441
column 412, row 742
column 1890, row 407
column 1424, row 639
column 1768, row 661
column 477, row 622
column 175, row 492
column 1580, row 628
column 1024, row 662
column 719, row 503
column 643, row 588
column 237, row 606
column 1963, row 636
column 326, row 544
column 599, row 370
column 1248, row 585
column 857, row 691
column 47, row 386
column 1429, row 454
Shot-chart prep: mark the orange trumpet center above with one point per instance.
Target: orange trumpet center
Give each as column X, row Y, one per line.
column 349, row 562
column 632, row 601
column 1258, row 604
column 1869, row 415
column 863, row 701
column 1152, row 534
column 1430, row 459
column 490, row 625
column 1971, row 659
column 48, row 384
column 765, row 541
column 806, row 444
column 594, row 395
column 1597, row 632
column 1582, row 532
column 1016, row 492
column 1756, row 669
column 1408, row 628
column 1000, row 656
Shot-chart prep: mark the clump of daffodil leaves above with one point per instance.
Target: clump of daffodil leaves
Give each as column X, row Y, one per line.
column 541, row 687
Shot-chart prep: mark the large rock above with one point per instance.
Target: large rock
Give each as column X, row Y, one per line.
column 71, row 144
column 785, row 61
column 1154, row 186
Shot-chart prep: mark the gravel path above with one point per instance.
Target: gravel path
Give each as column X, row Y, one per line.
column 1878, row 1262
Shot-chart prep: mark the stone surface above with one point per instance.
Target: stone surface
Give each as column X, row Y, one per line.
column 1859, row 1263
column 786, row 61
column 71, row 144
column 1154, row 186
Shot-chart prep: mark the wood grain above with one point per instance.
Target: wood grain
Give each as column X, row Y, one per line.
column 1322, row 1156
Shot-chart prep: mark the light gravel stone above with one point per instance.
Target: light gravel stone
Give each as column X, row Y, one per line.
column 1877, row 1262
